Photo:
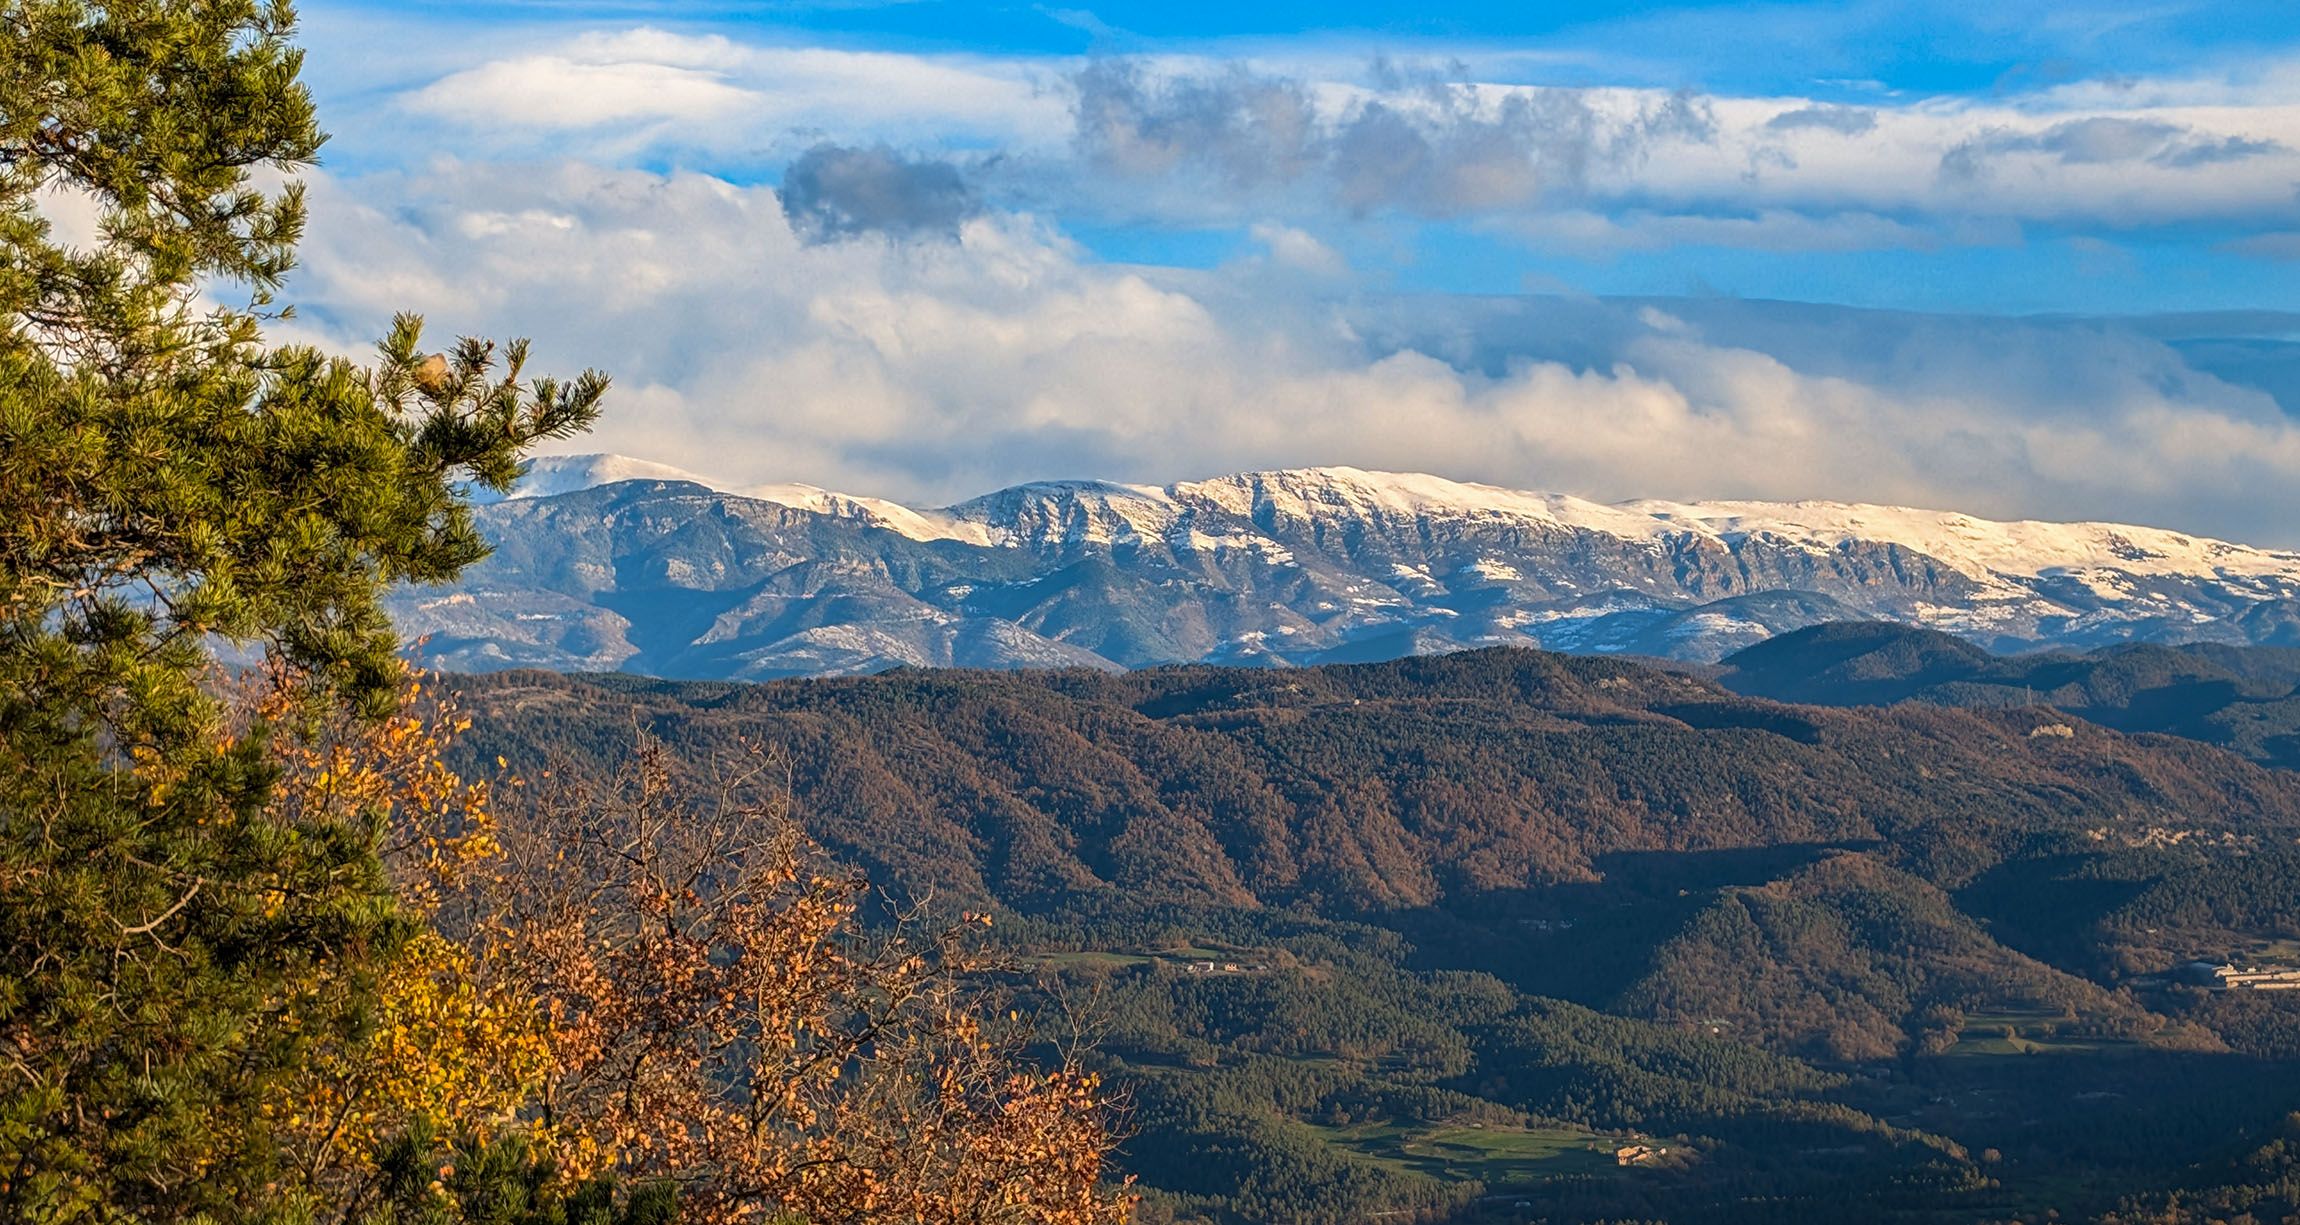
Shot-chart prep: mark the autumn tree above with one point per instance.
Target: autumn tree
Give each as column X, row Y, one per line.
column 447, row 1053
column 168, row 480
column 631, row 998
column 722, row 1018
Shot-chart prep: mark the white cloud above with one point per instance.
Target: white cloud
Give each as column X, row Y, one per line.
column 1300, row 251
column 935, row 370
column 75, row 217
column 550, row 91
column 711, row 94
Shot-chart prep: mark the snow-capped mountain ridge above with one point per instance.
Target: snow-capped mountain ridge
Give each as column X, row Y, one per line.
column 607, row 563
column 1098, row 512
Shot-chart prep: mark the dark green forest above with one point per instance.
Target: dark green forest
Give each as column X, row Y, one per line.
column 1506, row 935
column 2243, row 698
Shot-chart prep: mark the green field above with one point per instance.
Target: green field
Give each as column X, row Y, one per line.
column 2035, row 1031
column 1091, row 960
column 2276, row 952
column 1496, row 1156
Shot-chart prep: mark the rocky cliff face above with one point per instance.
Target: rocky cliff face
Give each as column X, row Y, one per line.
column 604, row 563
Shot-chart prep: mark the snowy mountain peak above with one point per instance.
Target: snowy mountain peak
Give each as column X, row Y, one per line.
column 1071, row 512
column 893, row 516
column 1315, row 493
column 1973, row 545
column 552, row 475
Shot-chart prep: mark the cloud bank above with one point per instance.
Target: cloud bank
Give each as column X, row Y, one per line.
column 746, row 348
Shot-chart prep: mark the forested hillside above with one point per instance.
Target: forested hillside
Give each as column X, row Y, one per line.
column 2245, row 698
column 1442, row 935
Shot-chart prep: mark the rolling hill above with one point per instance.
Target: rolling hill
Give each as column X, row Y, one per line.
column 1433, row 934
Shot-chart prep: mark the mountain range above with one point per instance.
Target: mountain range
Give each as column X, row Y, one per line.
column 606, row 563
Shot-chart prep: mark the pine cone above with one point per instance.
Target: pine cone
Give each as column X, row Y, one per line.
column 431, row 376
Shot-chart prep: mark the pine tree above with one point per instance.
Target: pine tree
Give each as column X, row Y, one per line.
column 500, row 1182
column 170, row 947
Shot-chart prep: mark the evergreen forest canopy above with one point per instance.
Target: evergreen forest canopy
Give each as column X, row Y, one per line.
column 2246, row 699
column 1446, row 936
column 264, row 957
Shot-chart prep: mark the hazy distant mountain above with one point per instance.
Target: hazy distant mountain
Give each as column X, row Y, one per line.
column 604, row 562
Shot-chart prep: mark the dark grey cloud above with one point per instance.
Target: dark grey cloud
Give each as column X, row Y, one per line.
column 1247, row 129
column 833, row 192
column 2213, row 152
column 1427, row 144
column 1683, row 115
column 1846, row 120
column 2104, row 140
column 1385, row 157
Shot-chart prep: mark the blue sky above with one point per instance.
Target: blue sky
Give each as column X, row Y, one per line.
column 2134, row 63
column 1723, row 44
column 924, row 248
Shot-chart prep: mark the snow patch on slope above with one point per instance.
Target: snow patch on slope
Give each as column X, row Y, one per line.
column 893, row 516
column 1070, row 512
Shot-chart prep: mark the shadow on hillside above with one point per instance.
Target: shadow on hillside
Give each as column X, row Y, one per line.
column 1589, row 941
column 2050, row 908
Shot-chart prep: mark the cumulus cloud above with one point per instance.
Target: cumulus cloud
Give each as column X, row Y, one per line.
column 1298, row 251
column 834, row 192
column 934, row 371
column 1418, row 144
column 1453, row 147
column 2207, row 151
column 550, row 92
column 1248, row 129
